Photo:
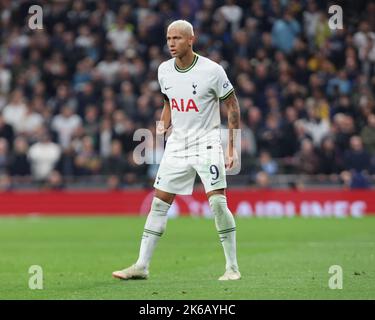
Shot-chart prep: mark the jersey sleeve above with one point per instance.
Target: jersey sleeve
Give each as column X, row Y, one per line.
column 223, row 86
column 161, row 84
column 160, row 79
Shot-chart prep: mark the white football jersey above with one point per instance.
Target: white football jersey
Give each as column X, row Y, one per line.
column 194, row 94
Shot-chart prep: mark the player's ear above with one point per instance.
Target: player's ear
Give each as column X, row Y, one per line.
column 191, row 41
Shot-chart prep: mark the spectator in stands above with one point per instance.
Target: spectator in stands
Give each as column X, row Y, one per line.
column 311, row 18
column 5, row 183
column 248, row 142
column 105, row 13
column 83, row 74
column 127, row 99
column 357, row 158
column 20, row 163
column 339, row 85
column 120, row 34
column 267, row 164
column 232, row 13
column 87, row 161
column 62, row 97
column 354, row 180
column 364, row 40
column 115, row 164
column 15, row 110
column 285, row 31
column 306, row 160
column 344, row 106
column 289, row 143
column 43, row 156
column 242, row 44
column 329, row 159
column 54, row 181
column 91, row 122
column 78, row 14
column 108, row 68
column 124, row 129
column 254, row 120
column 262, row 180
column 368, row 134
column 262, row 79
column 4, row 157
column 66, row 166
column 31, row 122
column 86, row 97
column 65, row 123
column 105, row 137
column 144, row 113
column 322, row 31
column 5, row 79
column 113, row 183
column 134, row 170
column 270, row 136
column 6, row 131
column 314, row 125
column 344, row 129
column 301, row 134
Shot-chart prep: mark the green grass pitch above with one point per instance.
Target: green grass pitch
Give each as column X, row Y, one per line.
column 284, row 258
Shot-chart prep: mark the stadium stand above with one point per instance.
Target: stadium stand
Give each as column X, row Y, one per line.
column 73, row 93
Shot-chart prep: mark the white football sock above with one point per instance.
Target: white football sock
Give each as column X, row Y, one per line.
column 155, row 226
column 226, row 227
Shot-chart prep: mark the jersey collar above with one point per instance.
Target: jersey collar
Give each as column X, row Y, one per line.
column 189, row 67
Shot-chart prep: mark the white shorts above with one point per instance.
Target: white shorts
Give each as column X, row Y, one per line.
column 177, row 174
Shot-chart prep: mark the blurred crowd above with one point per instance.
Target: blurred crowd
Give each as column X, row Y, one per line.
column 73, row 93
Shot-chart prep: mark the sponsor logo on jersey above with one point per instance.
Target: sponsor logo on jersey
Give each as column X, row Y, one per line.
column 226, row 84
column 184, row 106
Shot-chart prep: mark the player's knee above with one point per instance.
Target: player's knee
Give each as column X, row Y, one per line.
column 159, row 207
column 218, row 204
column 157, row 218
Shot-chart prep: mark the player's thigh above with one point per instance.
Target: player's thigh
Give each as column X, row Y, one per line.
column 211, row 169
column 175, row 176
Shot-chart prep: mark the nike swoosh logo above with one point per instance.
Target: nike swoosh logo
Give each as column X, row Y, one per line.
column 165, row 88
column 213, row 183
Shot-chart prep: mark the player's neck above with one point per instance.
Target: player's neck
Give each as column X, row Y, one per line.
column 186, row 60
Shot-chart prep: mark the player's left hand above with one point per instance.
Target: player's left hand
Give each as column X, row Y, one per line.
column 231, row 158
column 160, row 129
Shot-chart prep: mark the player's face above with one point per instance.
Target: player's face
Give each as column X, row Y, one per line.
column 179, row 42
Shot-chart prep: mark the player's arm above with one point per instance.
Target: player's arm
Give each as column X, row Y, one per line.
column 165, row 118
column 233, row 109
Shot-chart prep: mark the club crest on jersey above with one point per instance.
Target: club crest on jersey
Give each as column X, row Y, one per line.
column 184, row 105
column 194, row 87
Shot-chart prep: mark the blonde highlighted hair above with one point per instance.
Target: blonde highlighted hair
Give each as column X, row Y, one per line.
column 182, row 25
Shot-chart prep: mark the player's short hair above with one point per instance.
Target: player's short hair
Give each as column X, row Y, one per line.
column 182, row 25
